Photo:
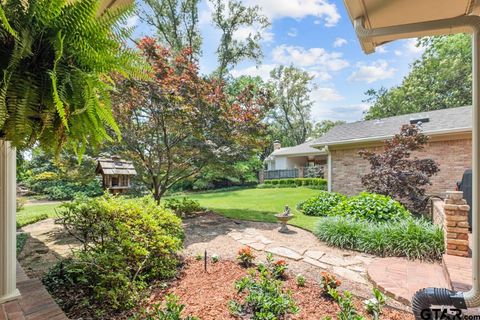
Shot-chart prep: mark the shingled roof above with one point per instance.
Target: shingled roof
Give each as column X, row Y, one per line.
column 439, row 121
column 115, row 165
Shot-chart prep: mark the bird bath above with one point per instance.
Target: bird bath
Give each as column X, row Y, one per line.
column 283, row 218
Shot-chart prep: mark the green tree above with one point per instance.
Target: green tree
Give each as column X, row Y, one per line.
column 56, row 57
column 290, row 119
column 323, row 127
column 230, row 17
column 178, row 124
column 440, row 79
column 176, row 23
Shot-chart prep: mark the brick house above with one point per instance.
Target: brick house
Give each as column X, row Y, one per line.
column 450, row 132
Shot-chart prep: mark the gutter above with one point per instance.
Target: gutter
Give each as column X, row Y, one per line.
column 381, row 138
column 428, row 297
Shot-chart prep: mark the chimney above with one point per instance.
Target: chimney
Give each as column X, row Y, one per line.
column 276, row 145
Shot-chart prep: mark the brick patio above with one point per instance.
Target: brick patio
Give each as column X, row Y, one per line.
column 34, row 304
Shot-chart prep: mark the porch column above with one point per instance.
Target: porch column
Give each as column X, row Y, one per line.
column 329, row 171
column 8, row 190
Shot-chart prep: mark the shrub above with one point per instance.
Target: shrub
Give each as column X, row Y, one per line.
column 395, row 173
column 371, row 207
column 21, row 241
column 172, row 311
column 182, row 207
column 126, row 245
column 328, row 281
column 301, row 280
column 345, row 302
column 20, row 204
column 215, row 258
column 374, row 305
column 263, row 298
column 412, row 238
column 276, row 269
column 245, row 256
column 317, row 183
column 322, row 204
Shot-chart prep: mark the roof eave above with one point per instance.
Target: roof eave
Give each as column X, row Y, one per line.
column 382, row 138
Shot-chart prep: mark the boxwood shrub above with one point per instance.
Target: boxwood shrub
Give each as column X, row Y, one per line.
column 412, row 238
column 371, row 207
column 318, row 183
column 321, row 204
column 126, row 244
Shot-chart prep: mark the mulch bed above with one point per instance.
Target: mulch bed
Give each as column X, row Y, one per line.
column 206, row 294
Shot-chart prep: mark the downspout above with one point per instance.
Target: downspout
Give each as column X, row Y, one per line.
column 428, row 297
column 329, row 169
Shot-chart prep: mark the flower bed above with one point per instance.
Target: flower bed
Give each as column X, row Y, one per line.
column 207, row 294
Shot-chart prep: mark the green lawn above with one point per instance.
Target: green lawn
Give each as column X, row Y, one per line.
column 34, row 213
column 258, row 204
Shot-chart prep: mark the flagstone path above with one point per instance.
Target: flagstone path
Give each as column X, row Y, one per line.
column 304, row 252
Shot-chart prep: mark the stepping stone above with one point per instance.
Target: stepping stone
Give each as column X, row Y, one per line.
column 235, row 235
column 264, row 240
column 250, row 231
column 314, row 254
column 285, row 252
column 357, row 268
column 257, row 246
column 315, row 263
column 349, row 275
column 337, row 261
column 246, row 241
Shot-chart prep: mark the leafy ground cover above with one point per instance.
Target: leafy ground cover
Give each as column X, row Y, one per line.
column 258, row 204
column 33, row 213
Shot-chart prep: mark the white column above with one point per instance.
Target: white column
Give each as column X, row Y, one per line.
column 8, row 190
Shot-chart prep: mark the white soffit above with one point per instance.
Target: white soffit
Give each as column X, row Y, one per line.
column 387, row 13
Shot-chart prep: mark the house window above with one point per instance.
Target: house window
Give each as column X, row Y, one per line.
column 114, row 181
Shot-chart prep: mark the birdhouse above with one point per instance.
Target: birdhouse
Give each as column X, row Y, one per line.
column 116, row 174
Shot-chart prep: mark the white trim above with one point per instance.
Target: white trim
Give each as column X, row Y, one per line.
column 8, row 229
column 380, row 138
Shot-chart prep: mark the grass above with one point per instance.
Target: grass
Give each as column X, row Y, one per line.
column 34, row 213
column 258, row 204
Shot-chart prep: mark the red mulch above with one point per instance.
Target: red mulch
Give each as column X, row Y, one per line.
column 206, row 295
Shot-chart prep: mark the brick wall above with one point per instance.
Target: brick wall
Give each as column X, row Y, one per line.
column 452, row 216
column 453, row 157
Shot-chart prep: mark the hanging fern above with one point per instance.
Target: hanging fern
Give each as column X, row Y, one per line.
column 56, row 59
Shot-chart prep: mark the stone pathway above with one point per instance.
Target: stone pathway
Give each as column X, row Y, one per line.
column 400, row 278
column 305, row 253
column 348, row 265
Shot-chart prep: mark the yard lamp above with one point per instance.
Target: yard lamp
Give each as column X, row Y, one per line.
column 377, row 22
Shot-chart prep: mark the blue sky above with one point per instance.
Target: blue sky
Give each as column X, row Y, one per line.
column 317, row 36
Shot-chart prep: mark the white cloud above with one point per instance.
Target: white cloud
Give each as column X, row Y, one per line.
column 381, row 49
column 299, row 9
column 244, row 32
column 292, row 32
column 339, row 42
column 262, row 71
column 313, row 57
column 334, row 111
column 377, row 70
column 411, row 46
column 132, row 21
column 326, row 94
column 397, row 53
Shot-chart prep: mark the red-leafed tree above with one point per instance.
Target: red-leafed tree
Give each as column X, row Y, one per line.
column 395, row 173
column 179, row 123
